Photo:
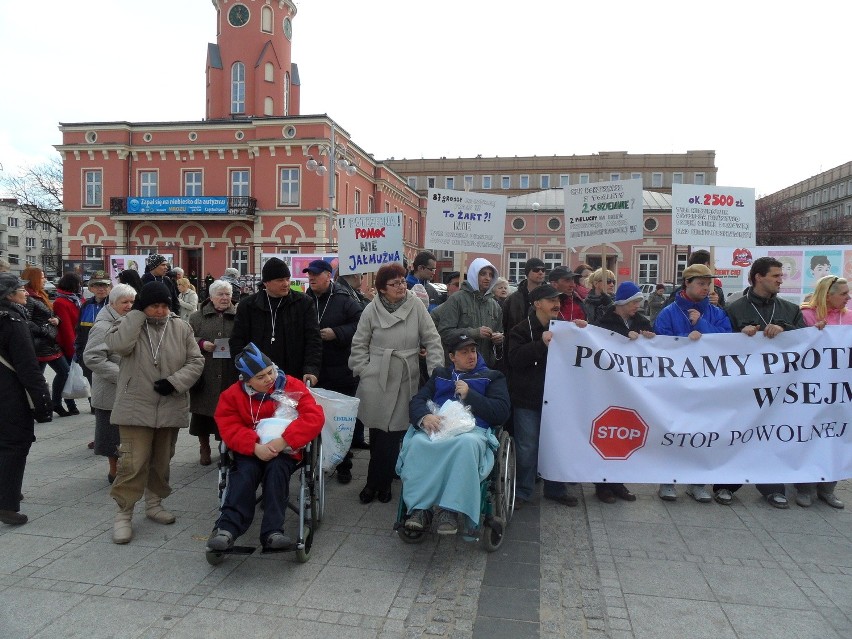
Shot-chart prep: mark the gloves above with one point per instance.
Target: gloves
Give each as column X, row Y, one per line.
column 164, row 387
column 43, row 417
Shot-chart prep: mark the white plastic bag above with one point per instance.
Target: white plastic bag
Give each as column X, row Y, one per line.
column 76, row 386
column 285, row 412
column 341, row 412
column 456, row 418
column 271, row 428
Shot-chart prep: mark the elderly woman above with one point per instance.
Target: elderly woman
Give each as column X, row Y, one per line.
column 160, row 362
column 23, row 395
column 446, row 473
column 501, row 290
column 384, row 354
column 828, row 306
column 104, row 367
column 187, row 298
column 212, row 325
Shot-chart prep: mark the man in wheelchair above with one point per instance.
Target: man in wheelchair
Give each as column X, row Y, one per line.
column 446, row 473
column 241, row 407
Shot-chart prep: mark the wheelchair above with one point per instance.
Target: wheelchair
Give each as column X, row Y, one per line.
column 497, row 500
column 308, row 502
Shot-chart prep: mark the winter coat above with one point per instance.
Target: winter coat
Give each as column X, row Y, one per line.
column 23, row 384
column 833, row 316
column 571, row 308
column 674, row 318
column 468, row 310
column 179, row 361
column 66, row 307
column 385, row 355
column 237, row 408
column 340, row 312
column 516, row 307
column 355, row 294
column 527, row 355
column 208, row 324
column 43, row 333
column 656, row 303
column 595, row 305
column 297, row 347
column 611, row 321
column 188, row 303
column 99, row 359
column 751, row 309
column 487, row 395
column 89, row 311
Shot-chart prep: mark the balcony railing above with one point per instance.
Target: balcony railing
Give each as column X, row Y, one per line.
column 204, row 205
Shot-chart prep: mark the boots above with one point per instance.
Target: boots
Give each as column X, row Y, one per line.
column 155, row 511
column 204, row 449
column 122, row 531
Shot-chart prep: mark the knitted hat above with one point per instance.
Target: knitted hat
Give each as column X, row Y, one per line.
column 627, row 292
column 696, row 270
column 153, row 261
column 545, row 291
column 251, row 361
column 9, row 282
column 153, row 293
column 274, row 269
column 532, row 263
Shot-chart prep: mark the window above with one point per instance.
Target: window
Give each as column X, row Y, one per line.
column 486, row 182
column 517, row 259
column 13, row 240
column 635, row 176
column 266, row 19
column 544, row 181
column 13, row 223
column 519, row 224
column 30, row 242
column 430, row 182
column 412, row 182
column 148, row 184
column 268, row 106
column 564, row 179
column 833, row 192
column 506, row 182
column 192, row 184
column 357, row 209
column 841, row 189
column 524, row 182
column 449, row 182
column 584, row 178
column 286, row 110
column 30, row 224
column 554, row 224
column 447, row 255
column 239, row 183
column 289, row 191
column 680, row 264
column 551, row 260
column 677, row 178
column 651, row 224
column 94, row 188
column 238, row 88
column 810, row 200
column 468, row 182
column 649, row 268
column 239, row 260
column 14, row 259
column 387, row 207
column 93, row 253
column 698, row 178
column 370, row 204
column 46, row 244
column 614, row 177
column 657, row 180
column 269, row 72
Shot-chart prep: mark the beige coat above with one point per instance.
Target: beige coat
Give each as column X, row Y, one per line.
column 385, row 355
column 180, row 362
column 219, row 373
column 102, row 363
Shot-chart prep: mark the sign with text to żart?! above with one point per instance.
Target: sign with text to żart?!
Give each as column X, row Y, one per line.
column 603, row 212
column 464, row 221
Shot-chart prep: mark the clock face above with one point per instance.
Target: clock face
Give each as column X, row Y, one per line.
column 238, row 15
column 288, row 28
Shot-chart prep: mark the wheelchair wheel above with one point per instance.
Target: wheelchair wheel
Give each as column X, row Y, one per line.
column 411, row 536
column 303, row 554
column 319, row 480
column 505, row 491
column 492, row 534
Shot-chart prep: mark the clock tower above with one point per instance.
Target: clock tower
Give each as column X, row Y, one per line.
column 249, row 69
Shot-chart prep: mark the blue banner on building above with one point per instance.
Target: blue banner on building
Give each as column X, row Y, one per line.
column 177, row 205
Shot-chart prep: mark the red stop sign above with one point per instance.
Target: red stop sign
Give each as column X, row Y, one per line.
column 618, row 432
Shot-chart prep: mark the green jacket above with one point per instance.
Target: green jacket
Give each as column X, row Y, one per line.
column 753, row 310
column 467, row 311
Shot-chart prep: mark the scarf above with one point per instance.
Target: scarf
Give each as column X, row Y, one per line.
column 392, row 307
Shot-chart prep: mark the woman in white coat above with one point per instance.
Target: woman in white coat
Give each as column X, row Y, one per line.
column 385, row 356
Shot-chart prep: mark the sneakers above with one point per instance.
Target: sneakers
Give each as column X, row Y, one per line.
column 777, row 500
column 699, row 493
column 667, row 492
column 419, row 520
column 16, row 519
column 723, row 496
column 277, row 541
column 831, row 500
column 446, row 523
column 804, row 499
column 220, row 541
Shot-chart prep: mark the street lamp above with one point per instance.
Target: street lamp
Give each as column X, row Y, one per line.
column 535, row 207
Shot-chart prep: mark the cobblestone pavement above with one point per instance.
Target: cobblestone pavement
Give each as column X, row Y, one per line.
column 640, row 570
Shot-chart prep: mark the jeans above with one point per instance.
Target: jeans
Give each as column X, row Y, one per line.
column 61, row 367
column 527, row 427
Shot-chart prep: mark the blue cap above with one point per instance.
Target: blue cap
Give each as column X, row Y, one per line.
column 251, row 361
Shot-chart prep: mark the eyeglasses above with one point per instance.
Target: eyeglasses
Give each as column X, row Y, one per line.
column 398, row 283
column 538, row 269
column 610, row 281
column 431, row 268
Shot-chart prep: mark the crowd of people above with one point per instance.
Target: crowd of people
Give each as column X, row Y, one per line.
column 159, row 361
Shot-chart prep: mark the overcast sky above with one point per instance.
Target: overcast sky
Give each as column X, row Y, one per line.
column 764, row 84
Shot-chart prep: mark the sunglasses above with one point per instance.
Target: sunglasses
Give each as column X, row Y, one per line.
column 610, row 281
column 538, row 269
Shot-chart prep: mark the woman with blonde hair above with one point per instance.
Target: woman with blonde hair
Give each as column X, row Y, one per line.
column 187, row 298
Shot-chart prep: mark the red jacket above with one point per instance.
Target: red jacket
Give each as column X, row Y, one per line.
column 572, row 308
column 69, row 314
column 234, row 417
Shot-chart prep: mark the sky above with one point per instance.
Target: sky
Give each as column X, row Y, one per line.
column 764, row 84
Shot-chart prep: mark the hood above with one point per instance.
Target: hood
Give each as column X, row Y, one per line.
column 473, row 274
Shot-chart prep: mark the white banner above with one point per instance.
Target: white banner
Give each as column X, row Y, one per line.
column 465, row 222
column 365, row 242
column 722, row 409
column 603, row 212
column 709, row 214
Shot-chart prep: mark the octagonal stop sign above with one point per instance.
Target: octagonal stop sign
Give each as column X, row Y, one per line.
column 618, row 432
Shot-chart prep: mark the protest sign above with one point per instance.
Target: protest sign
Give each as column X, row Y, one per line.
column 726, row 408
column 603, row 212
column 715, row 215
column 367, row 241
column 465, row 222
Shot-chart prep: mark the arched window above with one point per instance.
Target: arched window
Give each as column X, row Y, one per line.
column 267, row 106
column 238, row 88
column 286, row 94
column 266, row 20
column 268, row 72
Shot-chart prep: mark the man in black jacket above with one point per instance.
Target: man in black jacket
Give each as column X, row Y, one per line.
column 156, row 267
column 518, row 305
column 282, row 323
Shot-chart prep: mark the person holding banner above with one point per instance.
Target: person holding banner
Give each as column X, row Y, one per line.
column 761, row 310
column 691, row 315
column 828, row 306
column 518, row 305
column 527, row 345
column 565, row 281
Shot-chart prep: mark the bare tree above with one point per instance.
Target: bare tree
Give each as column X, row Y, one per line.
column 779, row 224
column 38, row 190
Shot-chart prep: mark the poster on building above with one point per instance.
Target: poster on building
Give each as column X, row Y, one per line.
column 365, row 242
column 298, row 262
column 465, row 221
column 714, row 215
column 135, row 262
column 82, row 268
column 603, row 212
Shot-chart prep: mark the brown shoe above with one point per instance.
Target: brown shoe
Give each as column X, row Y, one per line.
column 204, row 450
column 605, row 495
column 620, row 491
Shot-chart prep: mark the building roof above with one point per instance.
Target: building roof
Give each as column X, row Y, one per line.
column 555, row 199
